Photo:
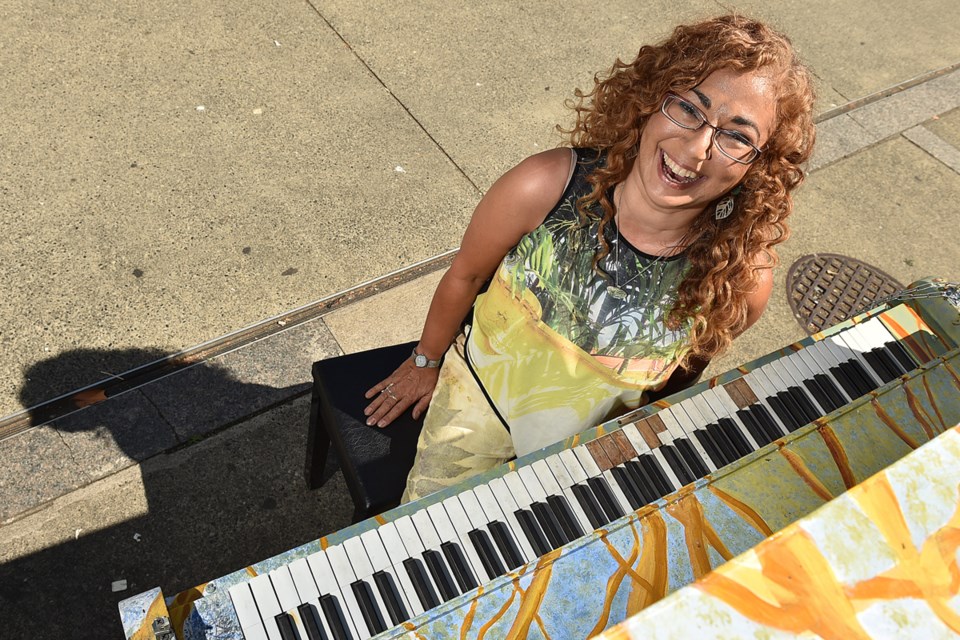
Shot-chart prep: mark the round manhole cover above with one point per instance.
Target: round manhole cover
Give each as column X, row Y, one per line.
column 827, row 288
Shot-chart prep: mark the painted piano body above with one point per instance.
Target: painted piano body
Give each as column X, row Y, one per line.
column 606, row 576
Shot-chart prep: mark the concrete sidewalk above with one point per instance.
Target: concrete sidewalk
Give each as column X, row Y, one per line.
column 336, row 144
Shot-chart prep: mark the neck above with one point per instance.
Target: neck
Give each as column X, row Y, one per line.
column 650, row 231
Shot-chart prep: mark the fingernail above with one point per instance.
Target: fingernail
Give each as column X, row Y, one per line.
column 370, row 422
column 381, row 424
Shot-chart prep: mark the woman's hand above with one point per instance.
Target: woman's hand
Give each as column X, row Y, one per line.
column 408, row 385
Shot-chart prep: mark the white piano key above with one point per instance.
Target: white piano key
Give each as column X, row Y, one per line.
column 509, row 506
column 636, row 438
column 688, row 427
column 573, row 466
column 373, row 544
column 303, row 580
column 449, row 533
column 363, row 570
column 409, row 535
column 247, row 613
column 593, row 471
column 667, row 469
column 462, row 525
column 517, row 489
column 343, row 570
column 397, row 553
column 721, row 402
column 820, row 360
column 845, row 348
column 285, row 589
column 764, row 384
column 788, row 372
column 495, row 510
column 532, row 484
column 393, row 542
column 308, row 592
column 563, row 482
column 474, row 511
column 428, row 533
column 267, row 603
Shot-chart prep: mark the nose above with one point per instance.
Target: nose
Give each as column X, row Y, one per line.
column 703, row 140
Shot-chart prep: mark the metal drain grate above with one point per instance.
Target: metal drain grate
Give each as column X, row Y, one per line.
column 827, row 288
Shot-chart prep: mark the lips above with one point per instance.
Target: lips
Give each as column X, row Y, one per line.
column 673, row 172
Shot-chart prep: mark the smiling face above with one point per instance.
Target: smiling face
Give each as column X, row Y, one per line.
column 679, row 170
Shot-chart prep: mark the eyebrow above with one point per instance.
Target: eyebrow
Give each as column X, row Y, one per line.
column 746, row 122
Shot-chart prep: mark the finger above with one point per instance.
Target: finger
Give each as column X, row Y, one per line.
column 377, row 388
column 421, row 407
column 376, row 404
column 398, row 408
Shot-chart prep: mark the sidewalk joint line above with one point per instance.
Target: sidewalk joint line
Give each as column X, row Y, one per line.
column 396, row 99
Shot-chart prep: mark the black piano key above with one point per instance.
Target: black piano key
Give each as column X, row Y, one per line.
column 786, row 415
column 488, row 555
column 528, row 522
column 288, row 630
column 421, row 583
column 760, row 433
column 568, row 521
column 628, row 487
column 606, row 498
column 368, row 607
column 505, row 542
column 588, row 502
column 549, row 524
column 879, row 366
column 655, row 473
column 807, row 409
column 907, row 362
column 859, row 376
column 691, row 457
column 705, row 438
column 391, row 597
column 335, row 618
column 766, row 421
column 833, row 392
column 727, row 448
column 441, row 577
column 680, row 469
column 891, row 361
column 461, row 569
column 819, row 394
column 842, row 376
column 642, row 480
column 736, row 437
column 309, row 617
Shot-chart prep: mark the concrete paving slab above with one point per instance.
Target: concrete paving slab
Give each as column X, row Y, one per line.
column 838, row 138
column 240, row 383
column 935, row 146
column 176, row 521
column 392, row 317
column 858, row 49
column 947, row 127
column 913, row 106
column 488, row 80
column 37, row 466
column 135, row 219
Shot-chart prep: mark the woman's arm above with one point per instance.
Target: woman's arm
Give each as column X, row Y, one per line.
column 515, row 205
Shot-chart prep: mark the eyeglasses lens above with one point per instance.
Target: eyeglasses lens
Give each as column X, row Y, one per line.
column 685, row 114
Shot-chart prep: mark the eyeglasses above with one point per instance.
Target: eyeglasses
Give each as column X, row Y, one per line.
column 732, row 144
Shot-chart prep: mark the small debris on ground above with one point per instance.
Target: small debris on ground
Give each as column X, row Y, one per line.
column 118, row 585
column 76, row 534
column 399, row 169
column 137, row 537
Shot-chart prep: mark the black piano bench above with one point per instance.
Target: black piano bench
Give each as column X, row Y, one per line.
column 375, row 462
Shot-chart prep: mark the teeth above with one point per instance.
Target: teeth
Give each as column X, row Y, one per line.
column 677, row 169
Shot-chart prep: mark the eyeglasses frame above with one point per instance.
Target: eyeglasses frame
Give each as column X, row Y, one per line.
column 703, row 121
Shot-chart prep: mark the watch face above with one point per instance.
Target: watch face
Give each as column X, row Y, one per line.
column 420, row 360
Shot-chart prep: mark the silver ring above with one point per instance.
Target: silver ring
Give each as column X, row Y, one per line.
column 390, row 393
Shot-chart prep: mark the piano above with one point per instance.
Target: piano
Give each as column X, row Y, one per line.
column 572, row 540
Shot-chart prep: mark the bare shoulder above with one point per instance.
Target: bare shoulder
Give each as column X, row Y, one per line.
column 535, row 185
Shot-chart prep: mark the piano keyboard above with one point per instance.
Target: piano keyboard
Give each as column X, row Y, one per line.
column 451, row 543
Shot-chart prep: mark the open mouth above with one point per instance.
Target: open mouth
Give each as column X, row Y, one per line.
column 675, row 173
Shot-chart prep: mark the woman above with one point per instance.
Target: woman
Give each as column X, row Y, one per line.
column 633, row 258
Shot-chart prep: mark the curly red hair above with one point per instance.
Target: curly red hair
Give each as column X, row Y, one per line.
column 724, row 258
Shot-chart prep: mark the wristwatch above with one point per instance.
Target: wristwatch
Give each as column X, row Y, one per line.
column 422, row 362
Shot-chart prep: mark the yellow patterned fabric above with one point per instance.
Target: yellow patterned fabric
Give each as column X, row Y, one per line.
column 560, row 347
column 461, row 434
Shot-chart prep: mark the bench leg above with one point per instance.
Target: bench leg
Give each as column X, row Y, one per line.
column 318, row 446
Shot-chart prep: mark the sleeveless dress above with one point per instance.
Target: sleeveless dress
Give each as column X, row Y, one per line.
column 555, row 347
